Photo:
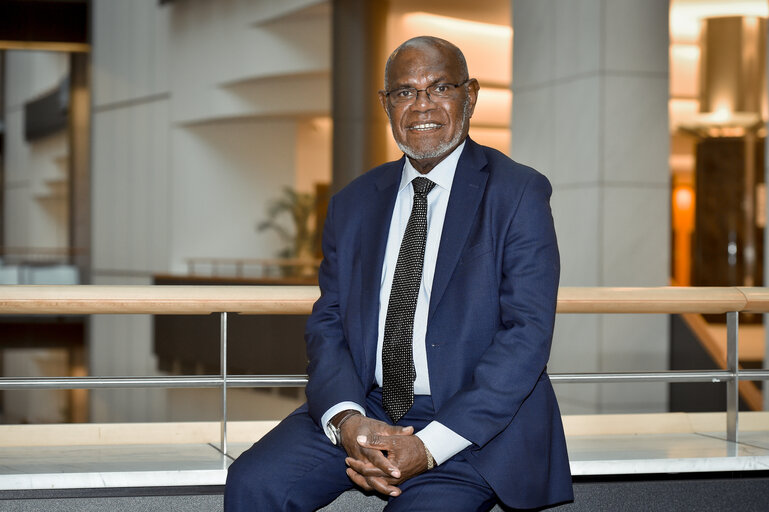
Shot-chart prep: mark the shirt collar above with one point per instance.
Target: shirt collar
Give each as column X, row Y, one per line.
column 442, row 174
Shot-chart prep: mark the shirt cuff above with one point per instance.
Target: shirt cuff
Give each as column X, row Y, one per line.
column 442, row 442
column 341, row 406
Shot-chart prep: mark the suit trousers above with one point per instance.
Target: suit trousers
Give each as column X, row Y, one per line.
column 296, row 468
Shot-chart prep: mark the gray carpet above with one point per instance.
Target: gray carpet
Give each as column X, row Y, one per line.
column 743, row 492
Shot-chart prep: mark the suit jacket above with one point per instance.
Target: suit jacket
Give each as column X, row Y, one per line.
column 490, row 318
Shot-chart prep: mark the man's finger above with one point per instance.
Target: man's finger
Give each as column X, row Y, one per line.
column 381, row 486
column 365, row 469
column 358, row 480
column 378, row 459
column 372, row 484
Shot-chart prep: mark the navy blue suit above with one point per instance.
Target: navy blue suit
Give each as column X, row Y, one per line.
column 490, row 319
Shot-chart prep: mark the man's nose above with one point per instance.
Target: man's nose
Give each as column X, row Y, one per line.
column 423, row 100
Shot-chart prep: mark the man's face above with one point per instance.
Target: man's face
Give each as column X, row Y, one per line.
column 428, row 129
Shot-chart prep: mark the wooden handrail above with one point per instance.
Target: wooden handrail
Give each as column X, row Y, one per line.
column 197, row 300
column 664, row 299
column 275, row 262
column 154, row 299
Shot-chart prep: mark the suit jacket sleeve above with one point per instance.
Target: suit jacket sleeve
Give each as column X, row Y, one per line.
column 332, row 374
column 512, row 364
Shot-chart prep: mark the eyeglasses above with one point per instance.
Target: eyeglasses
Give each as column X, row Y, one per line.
column 435, row 92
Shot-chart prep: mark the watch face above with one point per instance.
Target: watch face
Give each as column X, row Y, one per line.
column 337, row 434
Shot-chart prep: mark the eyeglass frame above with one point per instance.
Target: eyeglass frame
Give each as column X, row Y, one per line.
column 425, row 90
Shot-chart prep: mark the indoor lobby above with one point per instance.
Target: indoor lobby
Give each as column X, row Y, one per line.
column 166, row 166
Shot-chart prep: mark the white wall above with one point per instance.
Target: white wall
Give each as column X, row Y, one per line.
column 35, row 172
column 230, row 172
column 198, row 114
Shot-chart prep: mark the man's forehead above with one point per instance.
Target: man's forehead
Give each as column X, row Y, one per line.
column 419, row 62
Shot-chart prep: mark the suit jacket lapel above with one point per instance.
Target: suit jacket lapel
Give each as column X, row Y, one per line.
column 376, row 215
column 466, row 194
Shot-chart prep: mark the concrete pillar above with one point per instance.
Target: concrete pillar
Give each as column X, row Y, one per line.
column 79, row 133
column 360, row 128
column 590, row 96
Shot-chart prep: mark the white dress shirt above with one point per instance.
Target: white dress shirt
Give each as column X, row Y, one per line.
column 442, row 442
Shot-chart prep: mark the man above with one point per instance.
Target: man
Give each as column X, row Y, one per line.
column 428, row 346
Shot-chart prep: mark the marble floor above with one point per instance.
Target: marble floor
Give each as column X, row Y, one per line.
column 53, row 467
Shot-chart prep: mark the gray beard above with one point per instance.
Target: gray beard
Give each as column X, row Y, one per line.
column 442, row 148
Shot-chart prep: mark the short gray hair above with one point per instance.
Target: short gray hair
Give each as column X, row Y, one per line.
column 422, row 41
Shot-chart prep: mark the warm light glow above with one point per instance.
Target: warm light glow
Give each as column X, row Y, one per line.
column 683, row 198
column 488, row 48
column 428, row 23
column 681, row 163
column 681, row 111
column 723, row 112
column 684, row 70
column 493, row 108
column 686, row 15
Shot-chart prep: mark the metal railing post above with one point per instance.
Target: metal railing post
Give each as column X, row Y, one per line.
column 733, row 384
column 223, row 360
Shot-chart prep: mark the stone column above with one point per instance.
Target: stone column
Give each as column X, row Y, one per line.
column 360, row 129
column 79, row 165
column 590, row 100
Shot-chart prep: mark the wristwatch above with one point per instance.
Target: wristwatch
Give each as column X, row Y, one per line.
column 336, row 430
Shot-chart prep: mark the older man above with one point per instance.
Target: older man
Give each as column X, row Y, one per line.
column 429, row 344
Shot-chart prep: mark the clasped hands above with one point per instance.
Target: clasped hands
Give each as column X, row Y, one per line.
column 381, row 456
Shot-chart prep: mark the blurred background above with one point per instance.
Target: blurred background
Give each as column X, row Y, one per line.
column 198, row 141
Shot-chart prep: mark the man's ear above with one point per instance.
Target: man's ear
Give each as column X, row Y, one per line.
column 384, row 103
column 472, row 93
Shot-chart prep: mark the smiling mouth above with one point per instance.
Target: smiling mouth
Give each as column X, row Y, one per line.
column 425, row 127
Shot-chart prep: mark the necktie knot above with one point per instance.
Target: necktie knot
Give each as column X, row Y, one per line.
column 422, row 186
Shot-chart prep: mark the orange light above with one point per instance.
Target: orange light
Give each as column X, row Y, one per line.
column 683, row 225
column 684, row 198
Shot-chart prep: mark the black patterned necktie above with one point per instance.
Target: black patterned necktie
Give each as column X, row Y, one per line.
column 398, row 371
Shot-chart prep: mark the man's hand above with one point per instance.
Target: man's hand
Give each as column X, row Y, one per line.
column 379, row 468
column 405, row 452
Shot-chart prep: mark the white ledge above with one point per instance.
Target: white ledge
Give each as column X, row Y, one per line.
column 186, row 454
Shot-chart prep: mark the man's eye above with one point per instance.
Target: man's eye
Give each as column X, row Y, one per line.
column 441, row 89
column 404, row 93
